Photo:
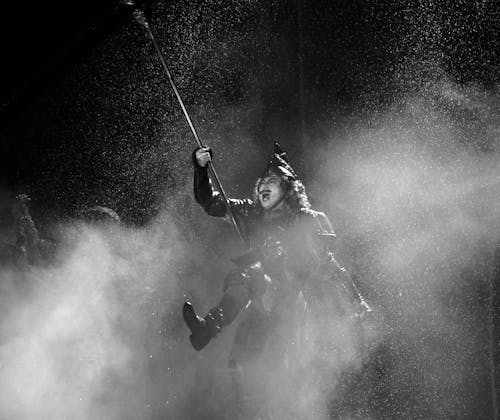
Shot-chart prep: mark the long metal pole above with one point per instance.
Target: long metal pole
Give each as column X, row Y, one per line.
column 300, row 21
column 141, row 19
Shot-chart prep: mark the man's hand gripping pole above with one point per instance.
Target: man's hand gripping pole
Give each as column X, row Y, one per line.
column 141, row 19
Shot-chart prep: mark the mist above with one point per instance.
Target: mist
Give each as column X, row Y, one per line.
column 416, row 191
column 397, row 143
column 81, row 332
column 98, row 333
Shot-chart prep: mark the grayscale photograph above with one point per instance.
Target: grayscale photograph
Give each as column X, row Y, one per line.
column 250, row 210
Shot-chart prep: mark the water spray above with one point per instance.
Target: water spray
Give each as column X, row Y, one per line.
column 141, row 19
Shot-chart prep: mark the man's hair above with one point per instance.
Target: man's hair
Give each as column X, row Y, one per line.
column 295, row 193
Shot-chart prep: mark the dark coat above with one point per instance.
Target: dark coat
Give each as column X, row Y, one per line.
column 295, row 244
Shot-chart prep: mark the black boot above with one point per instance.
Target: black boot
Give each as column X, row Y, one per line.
column 202, row 329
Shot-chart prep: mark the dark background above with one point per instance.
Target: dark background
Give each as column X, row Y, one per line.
column 87, row 117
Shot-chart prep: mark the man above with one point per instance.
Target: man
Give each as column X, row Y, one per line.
column 291, row 252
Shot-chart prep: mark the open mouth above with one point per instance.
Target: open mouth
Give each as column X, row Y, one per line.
column 265, row 195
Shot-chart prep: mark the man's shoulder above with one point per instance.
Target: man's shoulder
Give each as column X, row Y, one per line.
column 318, row 219
column 244, row 207
column 243, row 202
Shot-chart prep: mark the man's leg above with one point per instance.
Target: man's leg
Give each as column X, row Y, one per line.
column 235, row 298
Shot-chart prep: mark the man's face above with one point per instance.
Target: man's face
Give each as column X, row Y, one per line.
column 270, row 192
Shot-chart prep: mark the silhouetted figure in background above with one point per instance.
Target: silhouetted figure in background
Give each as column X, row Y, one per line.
column 27, row 237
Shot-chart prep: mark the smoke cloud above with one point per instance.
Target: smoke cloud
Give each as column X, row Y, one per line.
column 81, row 333
column 412, row 189
column 412, row 193
column 416, row 191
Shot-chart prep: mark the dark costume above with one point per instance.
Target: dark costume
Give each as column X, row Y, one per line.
column 290, row 253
